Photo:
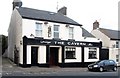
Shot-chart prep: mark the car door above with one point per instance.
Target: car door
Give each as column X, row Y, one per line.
column 106, row 65
column 112, row 64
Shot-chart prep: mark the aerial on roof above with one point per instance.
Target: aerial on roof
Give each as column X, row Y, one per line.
column 35, row 14
column 112, row 34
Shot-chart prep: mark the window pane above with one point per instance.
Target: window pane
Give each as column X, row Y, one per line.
column 117, row 58
column 56, row 31
column 56, row 27
column 38, row 30
column 71, row 33
column 117, row 44
column 70, row 53
column 56, row 35
column 92, row 53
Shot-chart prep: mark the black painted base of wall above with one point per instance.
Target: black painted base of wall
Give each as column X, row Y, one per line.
column 75, row 64
column 25, row 65
column 43, row 65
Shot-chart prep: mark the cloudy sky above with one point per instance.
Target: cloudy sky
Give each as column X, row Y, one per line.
column 84, row 12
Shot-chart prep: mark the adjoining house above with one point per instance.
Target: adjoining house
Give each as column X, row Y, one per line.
column 44, row 38
column 110, row 41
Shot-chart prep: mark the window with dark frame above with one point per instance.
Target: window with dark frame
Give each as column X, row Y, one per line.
column 92, row 53
column 70, row 52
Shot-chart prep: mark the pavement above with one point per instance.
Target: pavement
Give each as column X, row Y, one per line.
column 11, row 69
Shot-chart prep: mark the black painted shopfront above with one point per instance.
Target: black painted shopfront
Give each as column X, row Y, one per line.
column 51, row 58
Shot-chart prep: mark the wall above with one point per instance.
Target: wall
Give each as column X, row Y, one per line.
column 42, row 55
column 19, row 41
column 101, row 36
column 15, row 34
column 11, row 36
column 113, row 51
column 29, row 28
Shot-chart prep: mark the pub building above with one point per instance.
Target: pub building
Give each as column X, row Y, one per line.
column 45, row 39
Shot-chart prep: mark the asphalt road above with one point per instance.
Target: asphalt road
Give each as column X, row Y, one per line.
column 11, row 70
column 59, row 73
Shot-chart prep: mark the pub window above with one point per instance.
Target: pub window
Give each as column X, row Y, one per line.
column 70, row 52
column 92, row 53
column 71, row 32
column 56, row 31
column 38, row 30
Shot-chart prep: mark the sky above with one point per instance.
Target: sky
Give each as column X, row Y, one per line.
column 84, row 12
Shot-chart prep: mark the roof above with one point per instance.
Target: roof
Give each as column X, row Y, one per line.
column 112, row 34
column 35, row 14
column 85, row 33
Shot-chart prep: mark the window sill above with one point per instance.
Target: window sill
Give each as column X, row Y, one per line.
column 56, row 39
column 70, row 58
column 39, row 37
column 71, row 39
column 93, row 58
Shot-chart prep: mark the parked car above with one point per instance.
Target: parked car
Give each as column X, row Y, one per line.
column 103, row 65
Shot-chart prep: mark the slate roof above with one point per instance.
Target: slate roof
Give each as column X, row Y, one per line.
column 85, row 33
column 35, row 14
column 112, row 34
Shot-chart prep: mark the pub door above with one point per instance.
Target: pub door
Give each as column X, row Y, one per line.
column 53, row 56
column 34, row 56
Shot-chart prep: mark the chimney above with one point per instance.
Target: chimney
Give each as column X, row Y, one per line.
column 63, row 10
column 95, row 25
column 16, row 3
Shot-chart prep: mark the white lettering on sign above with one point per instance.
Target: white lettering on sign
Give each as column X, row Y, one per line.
column 66, row 43
column 78, row 44
column 58, row 42
column 45, row 42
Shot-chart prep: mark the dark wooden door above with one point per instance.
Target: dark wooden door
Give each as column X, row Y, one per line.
column 53, row 56
column 104, row 54
column 34, row 56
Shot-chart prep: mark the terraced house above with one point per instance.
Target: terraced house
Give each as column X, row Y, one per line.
column 110, row 41
column 44, row 38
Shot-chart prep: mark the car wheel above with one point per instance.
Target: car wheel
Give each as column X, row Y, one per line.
column 101, row 69
column 115, row 69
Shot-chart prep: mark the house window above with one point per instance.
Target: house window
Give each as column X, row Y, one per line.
column 38, row 30
column 70, row 52
column 117, row 44
column 56, row 31
column 92, row 53
column 117, row 58
column 71, row 32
